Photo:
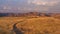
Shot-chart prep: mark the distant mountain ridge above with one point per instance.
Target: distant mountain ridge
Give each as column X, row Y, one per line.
column 27, row 14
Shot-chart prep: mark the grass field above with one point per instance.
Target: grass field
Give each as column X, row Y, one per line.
column 38, row 25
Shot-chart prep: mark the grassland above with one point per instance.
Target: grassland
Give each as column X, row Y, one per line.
column 35, row 25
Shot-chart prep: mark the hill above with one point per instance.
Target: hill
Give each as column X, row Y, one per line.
column 27, row 25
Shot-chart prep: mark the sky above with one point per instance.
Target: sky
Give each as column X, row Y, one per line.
column 16, row 6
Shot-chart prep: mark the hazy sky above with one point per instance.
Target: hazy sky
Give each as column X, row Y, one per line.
column 29, row 5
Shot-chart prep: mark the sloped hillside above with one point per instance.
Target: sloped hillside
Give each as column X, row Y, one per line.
column 39, row 25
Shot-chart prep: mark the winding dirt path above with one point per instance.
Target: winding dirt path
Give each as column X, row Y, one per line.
column 16, row 30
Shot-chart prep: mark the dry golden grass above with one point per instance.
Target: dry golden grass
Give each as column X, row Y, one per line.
column 39, row 25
